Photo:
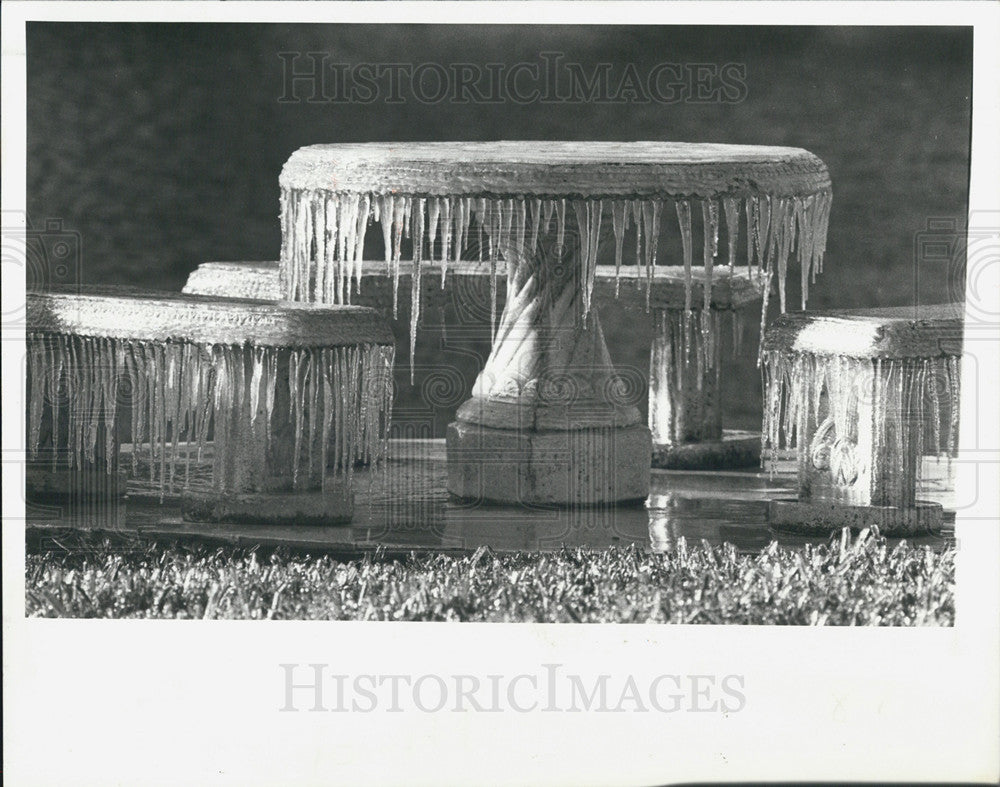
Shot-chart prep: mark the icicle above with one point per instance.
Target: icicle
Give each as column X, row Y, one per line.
column 327, row 273
column 952, row 366
column 590, row 233
column 536, row 220
column 684, row 222
column 467, row 226
column 495, row 228
column 802, row 221
column 312, row 372
column 327, row 387
column 548, row 208
column 284, row 213
column 618, row 223
column 507, row 232
column 713, row 214
column 637, row 218
column 36, row 369
column 520, row 233
column 446, row 235
column 325, row 221
column 359, row 240
column 407, row 216
column 710, row 223
column 482, row 206
column 731, row 209
column 347, row 223
column 651, row 218
column 560, row 225
column 387, row 210
column 460, row 224
column 782, row 229
column 401, row 208
column 433, row 216
column 415, row 285
column 824, row 222
column 764, row 237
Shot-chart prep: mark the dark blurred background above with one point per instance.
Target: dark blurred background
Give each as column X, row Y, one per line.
column 161, row 145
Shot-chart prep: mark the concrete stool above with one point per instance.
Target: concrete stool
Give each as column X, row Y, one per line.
column 861, row 395
column 288, row 396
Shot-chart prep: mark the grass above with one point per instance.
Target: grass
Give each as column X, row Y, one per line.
column 846, row 581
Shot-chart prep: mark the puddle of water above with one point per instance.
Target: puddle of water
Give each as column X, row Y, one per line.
column 406, row 506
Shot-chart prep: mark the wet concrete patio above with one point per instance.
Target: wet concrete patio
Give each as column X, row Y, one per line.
column 406, row 507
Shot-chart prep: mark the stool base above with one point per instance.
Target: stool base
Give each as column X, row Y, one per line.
column 316, row 508
column 735, row 449
column 826, row 516
column 44, row 484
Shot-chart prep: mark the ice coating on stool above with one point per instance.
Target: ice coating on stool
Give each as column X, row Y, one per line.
column 287, row 396
column 862, row 396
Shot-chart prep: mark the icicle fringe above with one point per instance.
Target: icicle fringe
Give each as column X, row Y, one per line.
column 181, row 397
column 323, row 237
column 913, row 405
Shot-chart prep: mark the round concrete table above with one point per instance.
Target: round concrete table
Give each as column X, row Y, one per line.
column 546, row 422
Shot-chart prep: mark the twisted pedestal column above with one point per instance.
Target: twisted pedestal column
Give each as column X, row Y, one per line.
column 546, row 422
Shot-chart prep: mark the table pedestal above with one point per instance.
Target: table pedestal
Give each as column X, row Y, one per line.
column 547, row 422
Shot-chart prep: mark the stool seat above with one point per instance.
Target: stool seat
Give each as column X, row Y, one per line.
column 890, row 332
column 144, row 315
column 730, row 290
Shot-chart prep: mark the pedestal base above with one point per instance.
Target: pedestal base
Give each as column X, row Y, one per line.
column 824, row 516
column 566, row 467
column 735, row 449
column 91, row 483
column 332, row 507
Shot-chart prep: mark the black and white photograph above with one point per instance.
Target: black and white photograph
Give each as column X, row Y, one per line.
column 656, row 347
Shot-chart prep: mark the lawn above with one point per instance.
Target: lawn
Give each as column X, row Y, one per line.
column 862, row 580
